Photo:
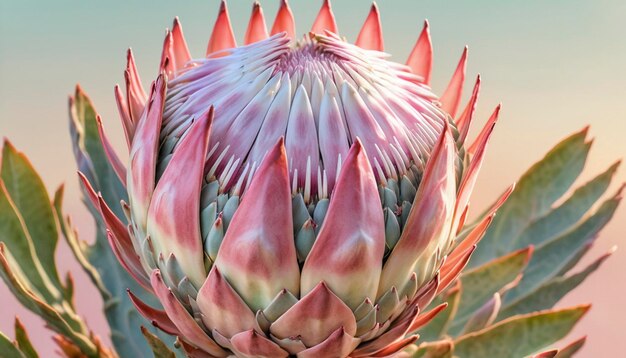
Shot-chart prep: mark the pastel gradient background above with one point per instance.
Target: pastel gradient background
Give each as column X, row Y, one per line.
column 556, row 66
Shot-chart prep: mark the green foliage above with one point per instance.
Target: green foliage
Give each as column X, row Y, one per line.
column 159, row 348
column 98, row 259
column 537, row 190
column 23, row 342
column 519, row 336
column 27, row 253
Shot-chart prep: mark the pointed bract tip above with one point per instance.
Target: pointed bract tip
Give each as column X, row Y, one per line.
column 6, row 142
column 585, row 130
column 357, row 145
column 222, row 5
column 79, row 90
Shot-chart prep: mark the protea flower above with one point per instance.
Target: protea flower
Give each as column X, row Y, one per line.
column 294, row 195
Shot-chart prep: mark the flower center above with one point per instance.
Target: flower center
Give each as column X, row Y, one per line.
column 320, row 94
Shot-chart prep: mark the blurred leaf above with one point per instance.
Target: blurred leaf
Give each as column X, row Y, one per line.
column 8, row 349
column 519, row 336
column 31, row 200
column 571, row 349
column 159, row 348
column 481, row 283
column 551, row 292
column 22, row 340
column 543, row 184
column 550, row 258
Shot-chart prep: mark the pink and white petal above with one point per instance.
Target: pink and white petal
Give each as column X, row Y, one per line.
column 129, row 260
column 284, row 21
column 222, row 37
column 250, row 344
column 421, row 58
column 392, row 349
column 464, row 121
column 173, row 217
column 424, row 319
column 222, row 308
column 158, row 318
column 452, row 269
column 135, row 95
column 185, row 323
column 315, row 317
column 452, row 95
column 143, row 155
column 122, row 108
column 180, row 51
column 348, row 257
column 484, row 134
column 256, row 30
column 89, row 191
column 371, row 35
column 325, row 20
column 112, row 157
column 302, row 148
column 333, row 139
column 469, row 179
column 258, row 254
column 193, row 352
column 338, row 344
column 430, row 219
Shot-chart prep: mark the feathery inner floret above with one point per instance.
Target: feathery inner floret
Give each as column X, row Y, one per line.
column 320, row 94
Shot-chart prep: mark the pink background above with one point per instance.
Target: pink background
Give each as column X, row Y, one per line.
column 556, row 66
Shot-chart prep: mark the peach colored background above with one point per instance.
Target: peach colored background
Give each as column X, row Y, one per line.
column 556, row 66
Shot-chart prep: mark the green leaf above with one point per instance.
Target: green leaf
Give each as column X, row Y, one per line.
column 15, row 236
column 23, row 342
column 159, row 348
column 543, row 184
column 571, row 349
column 567, row 214
column 31, row 200
column 484, row 316
column 481, row 283
column 550, row 258
column 438, row 349
column 438, row 326
column 8, row 349
column 77, row 246
column 551, row 292
column 519, row 336
column 63, row 323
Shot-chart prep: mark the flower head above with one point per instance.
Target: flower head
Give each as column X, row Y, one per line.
column 294, row 196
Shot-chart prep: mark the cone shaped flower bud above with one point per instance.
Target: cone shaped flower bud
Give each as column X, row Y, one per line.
column 294, row 195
